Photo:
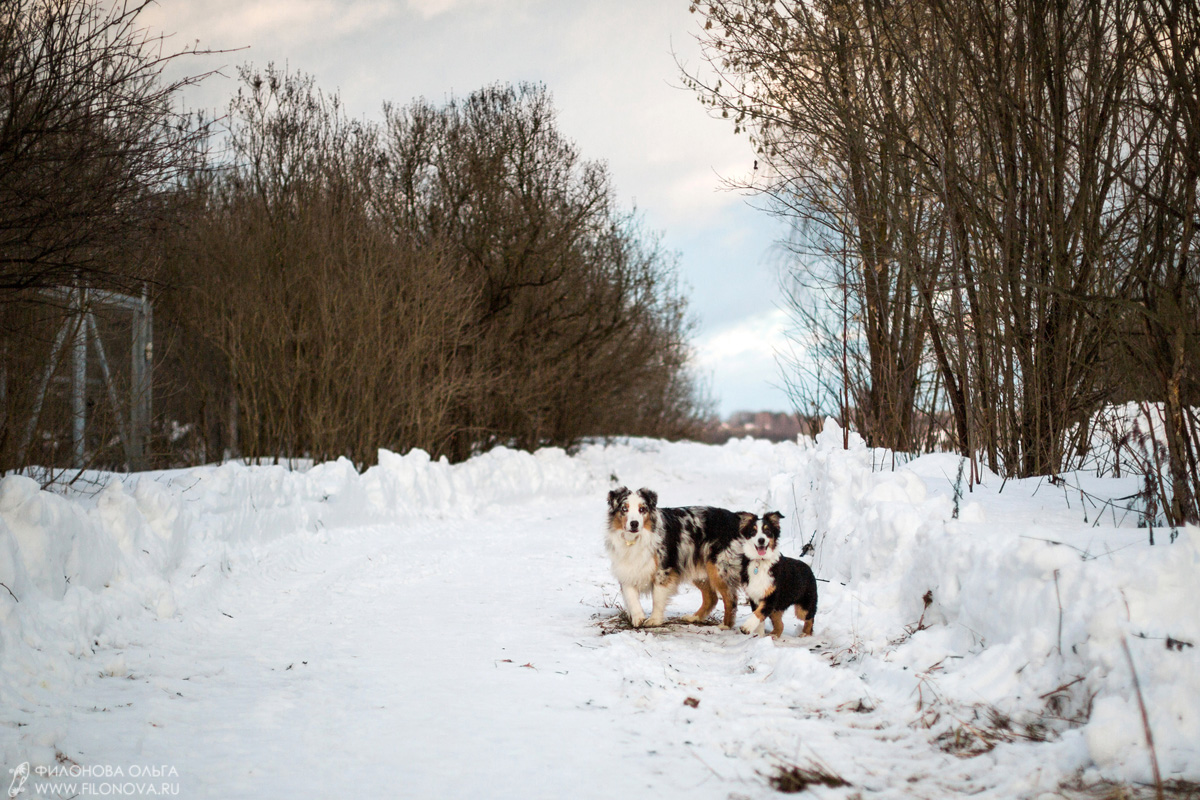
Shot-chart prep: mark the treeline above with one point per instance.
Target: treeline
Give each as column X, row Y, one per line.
column 995, row 204
column 451, row 277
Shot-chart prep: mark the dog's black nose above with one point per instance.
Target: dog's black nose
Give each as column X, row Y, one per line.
column 633, row 525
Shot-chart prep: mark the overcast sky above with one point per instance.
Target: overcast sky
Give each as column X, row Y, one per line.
column 611, row 67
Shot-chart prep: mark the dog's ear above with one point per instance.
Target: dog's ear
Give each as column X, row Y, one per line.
column 650, row 497
column 616, row 497
column 746, row 521
column 771, row 520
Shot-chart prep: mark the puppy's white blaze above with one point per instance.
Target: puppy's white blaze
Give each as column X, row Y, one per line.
column 748, row 543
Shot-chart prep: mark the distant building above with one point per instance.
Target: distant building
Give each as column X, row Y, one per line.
column 774, row 426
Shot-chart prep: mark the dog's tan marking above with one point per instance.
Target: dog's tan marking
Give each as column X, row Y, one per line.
column 728, row 597
column 807, row 616
column 708, row 601
column 776, row 624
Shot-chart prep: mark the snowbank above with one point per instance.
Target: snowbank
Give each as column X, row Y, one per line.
column 70, row 564
column 1033, row 592
column 1030, row 606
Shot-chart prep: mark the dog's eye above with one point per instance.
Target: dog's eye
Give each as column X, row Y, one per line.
column 641, row 509
column 625, row 508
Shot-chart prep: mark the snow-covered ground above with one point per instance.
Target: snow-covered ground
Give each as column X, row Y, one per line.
column 427, row 630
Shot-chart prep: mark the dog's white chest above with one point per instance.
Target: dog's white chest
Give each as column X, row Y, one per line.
column 633, row 565
column 759, row 583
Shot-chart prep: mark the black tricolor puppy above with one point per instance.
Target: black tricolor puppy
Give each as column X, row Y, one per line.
column 772, row 580
column 653, row 549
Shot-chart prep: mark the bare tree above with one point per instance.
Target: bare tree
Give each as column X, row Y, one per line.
column 957, row 166
column 828, row 110
column 89, row 142
column 578, row 310
column 1160, row 252
column 88, row 135
column 455, row 279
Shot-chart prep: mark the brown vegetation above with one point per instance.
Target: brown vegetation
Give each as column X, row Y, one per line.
column 89, row 143
column 996, row 204
column 453, row 279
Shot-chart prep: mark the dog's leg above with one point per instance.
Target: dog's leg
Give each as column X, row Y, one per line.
column 776, row 624
column 728, row 595
column 808, row 620
column 757, row 621
column 633, row 605
column 707, row 602
column 662, row 591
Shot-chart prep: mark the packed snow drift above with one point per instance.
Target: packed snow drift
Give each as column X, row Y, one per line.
column 424, row 629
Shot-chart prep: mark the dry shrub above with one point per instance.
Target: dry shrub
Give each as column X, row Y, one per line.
column 455, row 279
column 793, row 778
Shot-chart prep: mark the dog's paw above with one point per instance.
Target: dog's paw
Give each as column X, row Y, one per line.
column 725, row 627
column 637, row 621
column 690, row 619
column 653, row 622
column 749, row 626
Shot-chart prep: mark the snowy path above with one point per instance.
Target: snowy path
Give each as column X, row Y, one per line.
column 456, row 653
column 435, row 659
column 388, row 663
column 392, row 662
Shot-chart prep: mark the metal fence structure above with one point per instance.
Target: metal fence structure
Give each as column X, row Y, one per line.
column 79, row 335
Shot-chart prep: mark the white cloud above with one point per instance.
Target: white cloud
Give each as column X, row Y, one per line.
column 428, row 9
column 237, row 23
column 739, row 361
column 753, row 337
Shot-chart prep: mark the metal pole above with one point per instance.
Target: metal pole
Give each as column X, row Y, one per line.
column 79, row 382
column 140, row 399
column 39, row 396
column 118, row 412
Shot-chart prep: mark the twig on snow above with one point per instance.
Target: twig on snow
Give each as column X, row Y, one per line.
column 1137, row 688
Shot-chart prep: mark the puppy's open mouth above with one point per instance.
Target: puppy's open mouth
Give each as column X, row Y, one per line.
column 762, row 551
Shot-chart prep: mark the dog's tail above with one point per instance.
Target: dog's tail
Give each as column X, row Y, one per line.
column 810, row 603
